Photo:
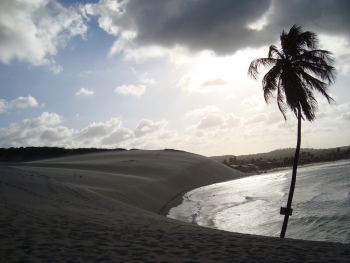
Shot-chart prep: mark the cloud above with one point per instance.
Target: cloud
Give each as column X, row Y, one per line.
column 214, row 82
column 218, row 121
column 340, row 47
column 99, row 129
column 45, row 119
column 47, row 130
column 222, row 26
column 2, row 106
column 328, row 17
column 209, row 73
column 198, row 25
column 84, row 92
column 257, row 119
column 197, row 82
column 132, row 90
column 145, row 79
column 148, row 126
column 211, row 121
column 211, row 118
column 18, row 103
column 346, row 116
column 253, row 103
column 36, row 131
column 98, row 134
column 207, row 130
column 202, row 112
column 52, row 136
column 32, row 31
column 118, row 136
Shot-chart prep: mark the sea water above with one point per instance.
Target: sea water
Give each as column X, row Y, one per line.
column 321, row 204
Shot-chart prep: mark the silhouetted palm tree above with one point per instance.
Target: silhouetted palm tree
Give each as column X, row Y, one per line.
column 295, row 71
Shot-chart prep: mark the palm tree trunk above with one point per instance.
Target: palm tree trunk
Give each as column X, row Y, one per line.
column 288, row 210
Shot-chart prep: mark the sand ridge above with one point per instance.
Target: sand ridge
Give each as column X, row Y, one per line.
column 103, row 207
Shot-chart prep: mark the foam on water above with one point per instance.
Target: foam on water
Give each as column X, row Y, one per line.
column 251, row 205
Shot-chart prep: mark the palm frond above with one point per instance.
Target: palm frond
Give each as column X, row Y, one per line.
column 316, row 55
column 255, row 65
column 281, row 101
column 308, row 105
column 316, row 84
column 289, row 41
column 307, row 39
column 275, row 53
column 269, row 81
column 323, row 71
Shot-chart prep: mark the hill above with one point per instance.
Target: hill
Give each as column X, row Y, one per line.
column 261, row 162
column 25, row 154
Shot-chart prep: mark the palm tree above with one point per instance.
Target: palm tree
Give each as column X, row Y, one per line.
column 295, row 70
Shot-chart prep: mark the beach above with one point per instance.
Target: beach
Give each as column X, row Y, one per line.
column 109, row 207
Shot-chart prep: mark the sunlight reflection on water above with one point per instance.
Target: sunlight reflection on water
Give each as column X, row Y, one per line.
column 251, row 205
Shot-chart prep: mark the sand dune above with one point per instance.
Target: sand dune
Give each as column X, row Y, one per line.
column 106, row 207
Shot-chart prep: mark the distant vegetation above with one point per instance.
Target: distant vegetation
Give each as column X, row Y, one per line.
column 23, row 154
column 262, row 162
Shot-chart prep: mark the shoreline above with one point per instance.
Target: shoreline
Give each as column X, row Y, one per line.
column 177, row 199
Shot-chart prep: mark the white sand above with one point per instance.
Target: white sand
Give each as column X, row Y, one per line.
column 105, row 207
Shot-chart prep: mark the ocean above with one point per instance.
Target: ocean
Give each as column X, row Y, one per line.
column 321, row 204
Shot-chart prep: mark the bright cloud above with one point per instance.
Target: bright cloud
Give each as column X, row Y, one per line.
column 211, row 121
column 132, row 90
column 99, row 129
column 148, row 126
column 118, row 136
column 212, row 118
column 145, row 79
column 202, row 112
column 208, row 130
column 84, row 92
column 18, row 103
column 35, row 132
column 32, row 31
column 210, row 73
column 47, row 129
column 340, row 46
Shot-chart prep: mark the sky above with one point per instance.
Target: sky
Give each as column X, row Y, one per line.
column 160, row 74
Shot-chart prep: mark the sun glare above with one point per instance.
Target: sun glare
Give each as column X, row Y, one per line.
column 211, row 73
